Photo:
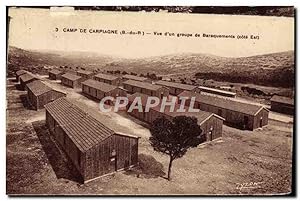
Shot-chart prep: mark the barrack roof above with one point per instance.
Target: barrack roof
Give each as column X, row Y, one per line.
column 217, row 90
column 282, row 99
column 106, row 76
column 201, row 116
column 232, row 105
column 99, row 85
column 70, row 76
column 144, row 85
column 27, row 77
column 84, row 130
column 85, row 72
column 21, row 72
column 134, row 77
column 176, row 85
column 37, row 87
column 56, row 72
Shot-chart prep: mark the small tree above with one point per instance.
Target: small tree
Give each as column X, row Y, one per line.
column 175, row 137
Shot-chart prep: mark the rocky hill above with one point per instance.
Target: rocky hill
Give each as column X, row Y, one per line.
column 270, row 70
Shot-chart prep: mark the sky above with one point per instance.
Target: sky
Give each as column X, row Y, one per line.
column 41, row 29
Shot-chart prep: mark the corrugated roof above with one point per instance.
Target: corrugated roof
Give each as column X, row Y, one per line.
column 99, row 85
column 56, row 72
column 85, row 72
column 175, row 85
column 282, row 99
column 70, row 76
column 144, row 85
column 38, row 88
column 223, row 103
column 106, row 76
column 133, row 77
column 217, row 90
column 83, row 129
column 21, row 72
column 27, row 77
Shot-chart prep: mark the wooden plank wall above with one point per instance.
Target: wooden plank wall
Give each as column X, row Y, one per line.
column 97, row 160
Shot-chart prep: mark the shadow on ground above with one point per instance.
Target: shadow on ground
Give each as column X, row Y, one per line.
column 148, row 167
column 19, row 87
column 25, row 102
column 15, row 80
column 59, row 161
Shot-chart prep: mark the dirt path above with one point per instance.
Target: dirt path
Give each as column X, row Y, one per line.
column 281, row 117
column 117, row 121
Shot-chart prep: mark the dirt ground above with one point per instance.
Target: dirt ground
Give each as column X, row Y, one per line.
column 242, row 162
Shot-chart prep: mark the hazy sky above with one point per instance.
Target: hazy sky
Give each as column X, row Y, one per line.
column 36, row 29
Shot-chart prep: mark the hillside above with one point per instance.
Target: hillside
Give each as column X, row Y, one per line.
column 270, row 70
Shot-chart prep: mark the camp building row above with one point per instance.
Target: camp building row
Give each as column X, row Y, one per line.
column 108, row 79
column 282, row 104
column 85, row 74
column 100, row 90
column 71, row 80
column 25, row 79
column 214, row 91
column 211, row 124
column 133, row 86
column 55, row 74
column 136, row 78
column 94, row 149
column 74, row 81
column 237, row 114
column 19, row 73
column 176, row 88
column 39, row 94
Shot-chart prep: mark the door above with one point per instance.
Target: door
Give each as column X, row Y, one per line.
column 210, row 133
column 113, row 161
column 261, row 122
column 246, row 120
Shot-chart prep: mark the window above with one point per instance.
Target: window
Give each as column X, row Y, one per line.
column 261, row 122
column 113, row 153
column 246, row 121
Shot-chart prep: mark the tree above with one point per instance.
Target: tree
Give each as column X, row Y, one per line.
column 175, row 137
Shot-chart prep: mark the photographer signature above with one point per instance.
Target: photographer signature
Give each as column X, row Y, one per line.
column 248, row 185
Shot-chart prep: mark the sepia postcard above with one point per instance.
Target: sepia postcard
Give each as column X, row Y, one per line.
column 158, row 101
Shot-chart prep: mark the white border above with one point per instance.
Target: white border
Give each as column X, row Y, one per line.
column 5, row 3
